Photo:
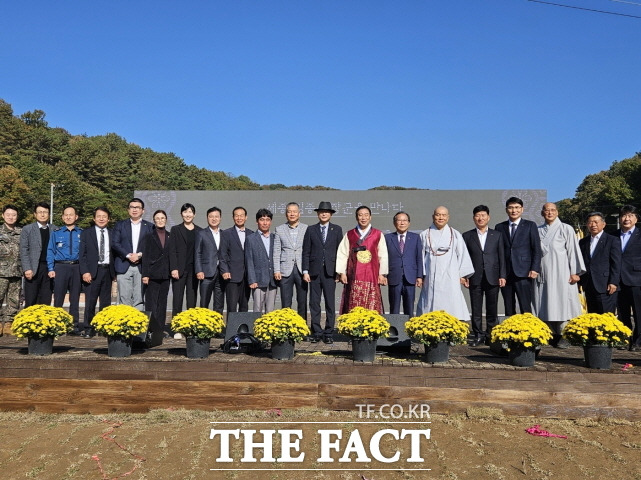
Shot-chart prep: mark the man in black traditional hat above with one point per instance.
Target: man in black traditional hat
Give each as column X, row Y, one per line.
column 319, row 270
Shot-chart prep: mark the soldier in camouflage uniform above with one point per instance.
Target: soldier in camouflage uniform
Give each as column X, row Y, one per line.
column 10, row 269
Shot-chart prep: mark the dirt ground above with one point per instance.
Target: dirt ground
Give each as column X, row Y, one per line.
column 176, row 445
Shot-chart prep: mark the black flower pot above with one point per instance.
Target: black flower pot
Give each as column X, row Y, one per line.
column 197, row 347
column 363, row 350
column 598, row 356
column 437, row 352
column 118, row 347
column 283, row 350
column 522, row 357
column 40, row 346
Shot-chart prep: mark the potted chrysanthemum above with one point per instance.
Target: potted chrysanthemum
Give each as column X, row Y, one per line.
column 523, row 334
column 437, row 331
column 198, row 326
column 120, row 323
column 365, row 327
column 282, row 328
column 597, row 334
column 40, row 324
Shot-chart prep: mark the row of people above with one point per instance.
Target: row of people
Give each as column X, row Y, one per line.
column 536, row 266
column 540, row 267
column 56, row 261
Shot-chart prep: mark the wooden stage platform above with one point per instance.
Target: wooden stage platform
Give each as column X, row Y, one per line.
column 80, row 378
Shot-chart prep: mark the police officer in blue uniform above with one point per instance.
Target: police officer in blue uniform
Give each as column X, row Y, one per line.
column 62, row 262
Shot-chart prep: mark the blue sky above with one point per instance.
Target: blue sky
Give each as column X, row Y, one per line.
column 455, row 94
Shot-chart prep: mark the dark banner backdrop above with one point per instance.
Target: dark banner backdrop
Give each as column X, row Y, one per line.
column 384, row 204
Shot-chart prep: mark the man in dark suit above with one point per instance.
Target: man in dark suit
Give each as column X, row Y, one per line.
column 233, row 265
column 405, row 256
column 96, row 265
column 488, row 257
column 259, row 250
column 207, row 259
column 522, row 255
column 38, row 287
column 629, row 298
column 320, row 244
column 127, row 244
column 602, row 257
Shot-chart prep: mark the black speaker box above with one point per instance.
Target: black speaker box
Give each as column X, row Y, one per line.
column 240, row 322
column 396, row 336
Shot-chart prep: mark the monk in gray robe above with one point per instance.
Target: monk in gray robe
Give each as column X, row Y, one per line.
column 555, row 294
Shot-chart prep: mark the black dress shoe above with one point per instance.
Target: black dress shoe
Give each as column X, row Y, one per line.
column 476, row 342
column 328, row 340
column 314, row 339
column 89, row 333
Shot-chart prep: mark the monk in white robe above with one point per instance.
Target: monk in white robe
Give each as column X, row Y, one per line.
column 447, row 264
column 555, row 295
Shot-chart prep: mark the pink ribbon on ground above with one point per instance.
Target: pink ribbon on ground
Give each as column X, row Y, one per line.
column 539, row 432
column 626, row 366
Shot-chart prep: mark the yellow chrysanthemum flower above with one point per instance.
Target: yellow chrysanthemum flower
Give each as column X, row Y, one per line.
column 437, row 326
column 596, row 329
column 281, row 325
column 120, row 321
column 363, row 323
column 40, row 321
column 522, row 330
column 198, row 322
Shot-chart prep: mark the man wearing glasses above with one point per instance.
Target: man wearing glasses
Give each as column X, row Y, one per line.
column 405, row 255
column 128, row 238
column 38, row 287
